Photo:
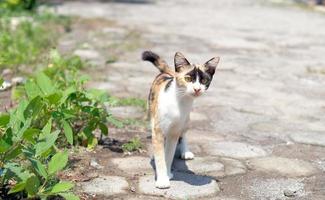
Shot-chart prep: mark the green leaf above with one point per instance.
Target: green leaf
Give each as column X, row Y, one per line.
column 13, row 153
column 68, row 113
column 69, row 196
column 4, row 120
column 46, row 143
column 32, row 185
column 62, row 187
column 92, row 142
column 58, row 162
column 22, row 130
column 1, row 81
column 17, row 92
column 47, row 128
column 97, row 95
column 45, row 83
column 68, row 132
column 32, row 89
column 67, row 93
column 17, row 188
column 103, row 128
column 18, row 171
column 18, row 114
column 40, row 169
column 4, row 146
column 54, row 98
column 29, row 134
column 34, row 107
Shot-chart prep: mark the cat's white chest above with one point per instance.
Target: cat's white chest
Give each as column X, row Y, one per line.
column 173, row 110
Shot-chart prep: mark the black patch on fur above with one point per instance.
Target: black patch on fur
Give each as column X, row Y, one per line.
column 202, row 75
column 165, row 78
column 150, row 56
column 168, row 84
column 193, row 74
column 151, row 96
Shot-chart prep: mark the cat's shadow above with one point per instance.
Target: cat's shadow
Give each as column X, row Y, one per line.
column 183, row 173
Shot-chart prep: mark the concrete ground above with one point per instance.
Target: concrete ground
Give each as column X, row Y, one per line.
column 258, row 133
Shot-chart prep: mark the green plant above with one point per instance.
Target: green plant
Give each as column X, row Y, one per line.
column 28, row 153
column 114, row 101
column 133, row 145
column 18, row 4
column 24, row 37
column 56, row 111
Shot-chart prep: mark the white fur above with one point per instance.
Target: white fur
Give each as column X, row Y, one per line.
column 196, row 85
column 174, row 108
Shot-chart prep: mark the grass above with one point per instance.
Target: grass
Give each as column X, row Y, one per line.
column 133, row 145
column 25, row 37
column 130, row 101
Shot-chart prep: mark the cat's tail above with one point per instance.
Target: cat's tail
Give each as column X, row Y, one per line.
column 157, row 61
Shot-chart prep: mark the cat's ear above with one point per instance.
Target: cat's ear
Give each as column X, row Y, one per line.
column 180, row 62
column 210, row 65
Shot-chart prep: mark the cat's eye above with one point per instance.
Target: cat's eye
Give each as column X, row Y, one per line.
column 188, row 78
column 204, row 81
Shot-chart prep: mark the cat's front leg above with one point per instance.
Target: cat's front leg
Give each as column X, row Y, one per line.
column 162, row 180
column 170, row 147
column 186, row 154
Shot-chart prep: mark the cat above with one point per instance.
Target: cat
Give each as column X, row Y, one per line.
column 170, row 102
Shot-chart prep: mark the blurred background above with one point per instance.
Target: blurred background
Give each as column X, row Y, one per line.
column 73, row 98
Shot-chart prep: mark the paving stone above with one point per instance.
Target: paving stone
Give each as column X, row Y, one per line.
column 202, row 137
column 18, row 80
column 231, row 167
column 276, row 188
column 142, row 197
column 134, row 164
column 95, row 164
column 220, row 198
column 234, row 150
column 199, row 165
column 313, row 138
column 283, row 166
column 87, row 54
column 320, row 164
column 126, row 112
column 196, row 116
column 183, row 186
column 250, row 95
column 6, row 72
column 106, row 185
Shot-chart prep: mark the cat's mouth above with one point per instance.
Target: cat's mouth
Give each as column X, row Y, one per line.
column 196, row 94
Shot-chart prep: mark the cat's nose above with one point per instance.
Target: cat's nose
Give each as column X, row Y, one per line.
column 197, row 90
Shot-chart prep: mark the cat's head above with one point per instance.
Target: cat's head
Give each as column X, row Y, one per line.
column 194, row 79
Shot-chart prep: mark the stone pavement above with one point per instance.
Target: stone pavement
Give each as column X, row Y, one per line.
column 259, row 132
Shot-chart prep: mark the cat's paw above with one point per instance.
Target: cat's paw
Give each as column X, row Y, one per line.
column 187, row 155
column 163, row 183
column 170, row 175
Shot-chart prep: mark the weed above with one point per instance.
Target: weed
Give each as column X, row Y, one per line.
column 114, row 101
column 132, row 145
column 19, row 5
column 24, row 38
column 55, row 111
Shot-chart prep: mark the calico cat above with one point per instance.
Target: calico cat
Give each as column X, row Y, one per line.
column 170, row 102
